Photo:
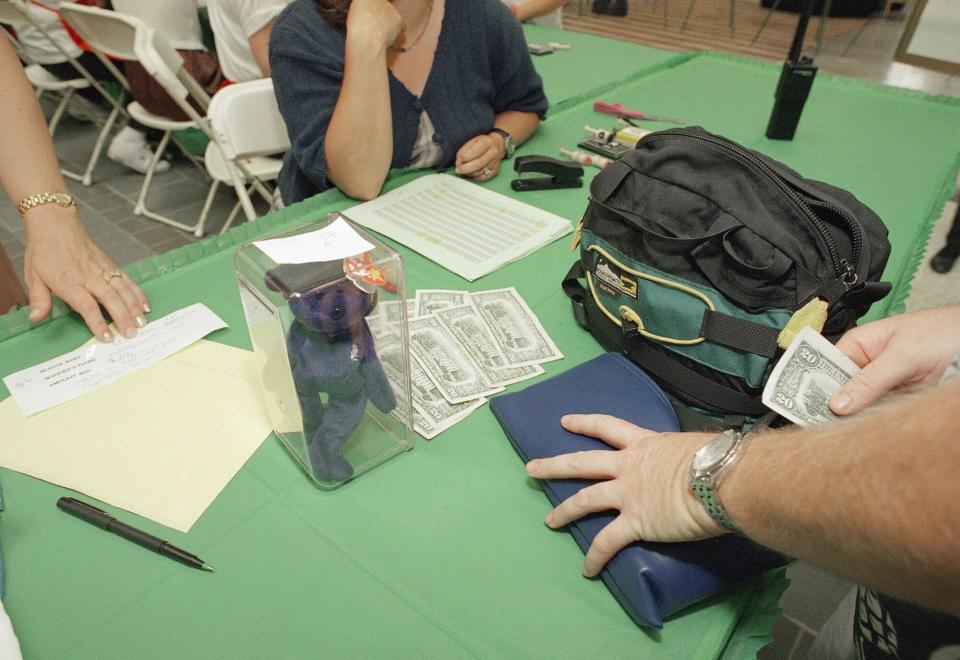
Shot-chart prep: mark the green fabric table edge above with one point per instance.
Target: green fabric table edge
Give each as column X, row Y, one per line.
column 896, row 301
column 754, row 630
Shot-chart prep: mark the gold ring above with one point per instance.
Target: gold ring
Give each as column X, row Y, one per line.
column 110, row 274
column 485, row 171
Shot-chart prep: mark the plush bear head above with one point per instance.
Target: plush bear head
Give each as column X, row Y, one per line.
column 321, row 298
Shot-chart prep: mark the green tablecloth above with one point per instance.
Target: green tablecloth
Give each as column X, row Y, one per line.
column 439, row 552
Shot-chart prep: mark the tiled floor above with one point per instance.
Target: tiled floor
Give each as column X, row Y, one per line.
column 106, row 208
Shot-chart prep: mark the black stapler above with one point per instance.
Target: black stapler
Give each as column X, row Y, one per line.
column 562, row 173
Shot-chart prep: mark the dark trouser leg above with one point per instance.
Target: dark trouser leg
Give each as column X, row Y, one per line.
column 92, row 64
column 943, row 260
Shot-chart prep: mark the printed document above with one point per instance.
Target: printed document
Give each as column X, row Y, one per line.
column 95, row 364
column 460, row 225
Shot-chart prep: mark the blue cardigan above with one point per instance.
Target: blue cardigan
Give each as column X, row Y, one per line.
column 481, row 68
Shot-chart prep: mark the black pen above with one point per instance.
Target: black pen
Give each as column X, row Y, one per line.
column 104, row 520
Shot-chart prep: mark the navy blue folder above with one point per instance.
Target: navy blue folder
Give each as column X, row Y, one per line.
column 650, row 580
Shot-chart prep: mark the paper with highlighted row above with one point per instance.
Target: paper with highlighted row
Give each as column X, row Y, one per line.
column 161, row 442
column 94, row 365
column 460, row 225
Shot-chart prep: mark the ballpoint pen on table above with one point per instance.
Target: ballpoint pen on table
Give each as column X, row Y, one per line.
column 104, row 520
column 621, row 111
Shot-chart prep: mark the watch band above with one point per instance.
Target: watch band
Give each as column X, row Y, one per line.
column 708, row 496
column 706, row 482
column 62, row 199
column 508, row 145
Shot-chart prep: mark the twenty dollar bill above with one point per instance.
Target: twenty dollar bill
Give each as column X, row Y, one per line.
column 806, row 377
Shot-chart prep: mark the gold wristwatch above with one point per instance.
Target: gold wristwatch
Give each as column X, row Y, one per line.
column 59, row 198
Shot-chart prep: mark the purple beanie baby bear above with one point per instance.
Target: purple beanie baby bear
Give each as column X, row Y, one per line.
column 331, row 350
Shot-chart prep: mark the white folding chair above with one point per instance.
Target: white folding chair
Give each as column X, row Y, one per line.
column 118, row 35
column 250, row 130
column 17, row 13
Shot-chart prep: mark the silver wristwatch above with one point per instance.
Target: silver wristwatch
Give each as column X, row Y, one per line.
column 708, row 466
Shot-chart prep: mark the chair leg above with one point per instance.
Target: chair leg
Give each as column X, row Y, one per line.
column 105, row 131
column 686, row 18
column 763, row 23
column 207, row 203
column 825, row 12
column 58, row 113
column 229, row 220
column 141, row 207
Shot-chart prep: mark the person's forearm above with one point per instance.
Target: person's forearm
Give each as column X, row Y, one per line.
column 260, row 47
column 359, row 139
column 872, row 497
column 534, row 8
column 520, row 125
column 28, row 164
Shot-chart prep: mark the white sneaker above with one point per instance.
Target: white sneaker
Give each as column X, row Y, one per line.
column 129, row 147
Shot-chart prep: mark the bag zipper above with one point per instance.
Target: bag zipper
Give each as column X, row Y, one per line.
column 845, row 270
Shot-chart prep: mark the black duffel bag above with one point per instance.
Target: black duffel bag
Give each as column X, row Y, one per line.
column 701, row 259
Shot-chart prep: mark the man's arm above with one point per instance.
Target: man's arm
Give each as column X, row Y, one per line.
column 872, row 497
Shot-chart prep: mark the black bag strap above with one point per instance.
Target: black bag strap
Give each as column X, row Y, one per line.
column 681, row 378
column 691, row 420
column 576, row 293
column 739, row 333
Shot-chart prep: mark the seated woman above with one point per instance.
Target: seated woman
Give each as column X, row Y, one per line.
column 371, row 84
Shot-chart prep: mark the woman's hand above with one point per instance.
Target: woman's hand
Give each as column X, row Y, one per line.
column 479, row 158
column 61, row 259
column 375, row 23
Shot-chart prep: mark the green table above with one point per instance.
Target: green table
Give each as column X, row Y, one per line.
column 439, row 552
column 898, row 151
column 592, row 66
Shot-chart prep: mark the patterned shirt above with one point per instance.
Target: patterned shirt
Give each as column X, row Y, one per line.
column 885, row 627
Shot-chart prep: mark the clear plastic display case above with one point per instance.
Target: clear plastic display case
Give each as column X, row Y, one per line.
column 329, row 332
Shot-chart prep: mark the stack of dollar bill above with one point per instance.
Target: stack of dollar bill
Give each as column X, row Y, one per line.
column 806, row 378
column 463, row 348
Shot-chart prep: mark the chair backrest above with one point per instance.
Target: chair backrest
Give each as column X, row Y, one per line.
column 177, row 20
column 247, row 120
column 12, row 12
column 17, row 12
column 127, row 37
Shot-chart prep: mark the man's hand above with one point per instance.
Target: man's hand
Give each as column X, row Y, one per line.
column 647, row 481
column 479, row 158
column 61, row 259
column 904, row 349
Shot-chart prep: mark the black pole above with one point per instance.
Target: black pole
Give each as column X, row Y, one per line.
column 797, row 46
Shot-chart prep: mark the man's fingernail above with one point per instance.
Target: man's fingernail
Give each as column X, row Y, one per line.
column 130, row 333
column 146, row 308
column 532, row 465
column 841, row 402
column 34, row 314
column 106, row 337
column 141, row 321
column 549, row 519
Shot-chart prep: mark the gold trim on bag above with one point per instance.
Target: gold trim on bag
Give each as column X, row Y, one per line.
column 630, row 315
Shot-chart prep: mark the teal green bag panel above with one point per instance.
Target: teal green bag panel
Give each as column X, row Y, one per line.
column 670, row 312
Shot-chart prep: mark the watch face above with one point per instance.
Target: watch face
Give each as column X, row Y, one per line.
column 712, row 453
